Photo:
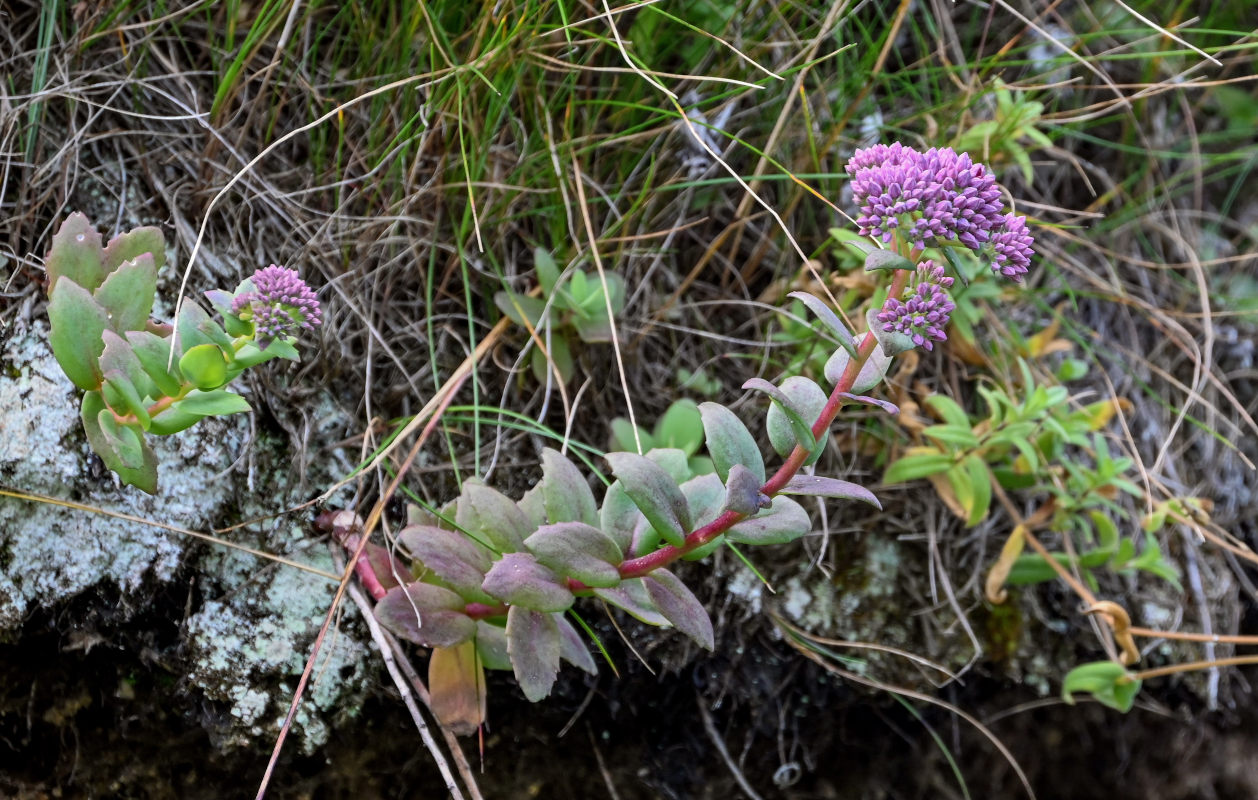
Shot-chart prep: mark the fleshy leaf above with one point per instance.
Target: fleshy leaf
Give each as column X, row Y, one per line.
column 796, row 405
column 440, row 621
column 742, row 491
column 143, row 477
column 680, row 427
column 547, row 271
column 817, row 486
column 680, row 607
column 77, row 324
column 534, row 647
column 729, row 441
column 127, row 294
column 885, row 405
column 705, row 494
column 565, row 493
column 456, row 688
column 216, row 403
column 888, row 260
column 784, row 522
column 133, row 244
column 891, row 342
column 578, row 551
column 124, row 440
column 631, row 596
column 827, row 316
column 619, row 516
column 491, row 645
column 386, row 567
column 572, row 648
column 523, row 310
column 172, row 420
column 458, row 561
column 1107, row 681
column 871, row 373
column 118, row 356
column 655, row 493
column 153, row 352
column 493, row 517
column 204, row 366
column 519, row 579
column 188, row 326
column 75, row 255
column 123, row 397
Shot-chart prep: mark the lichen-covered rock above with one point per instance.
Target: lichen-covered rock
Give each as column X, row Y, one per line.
column 248, row 641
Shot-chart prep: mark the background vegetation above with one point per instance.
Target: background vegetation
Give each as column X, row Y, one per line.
column 414, row 159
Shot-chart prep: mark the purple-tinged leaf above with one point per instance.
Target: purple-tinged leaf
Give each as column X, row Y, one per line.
column 742, row 492
column 571, row 647
column 491, row 645
column 705, row 495
column 827, row 316
column 891, row 342
column 124, row 440
column 871, row 372
column 533, row 644
column 577, row 550
column 885, row 405
column 797, row 404
column 118, row 356
column 77, row 324
column 425, row 614
column 729, row 441
column 385, row 566
column 887, row 260
column 188, row 326
column 454, row 558
column 655, row 493
column 680, row 607
column 631, row 596
column 127, row 294
column 133, row 244
column 493, row 516
column 518, row 579
column 75, row 255
column 784, row 522
column 565, row 494
column 817, row 486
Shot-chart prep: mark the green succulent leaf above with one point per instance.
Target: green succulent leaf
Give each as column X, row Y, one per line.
column 124, row 398
column 204, row 366
column 127, row 294
column 619, row 516
column 565, row 494
column 917, row 465
column 143, row 477
column 729, row 441
column 188, row 328
column 830, row 319
column 521, row 309
column 520, row 580
column 77, row 324
column 172, row 420
column 153, row 352
column 547, row 271
column 492, row 517
column 75, row 255
column 891, row 342
column 137, row 242
column 1107, row 681
column 120, row 357
column 124, row 440
column 887, row 260
column 578, row 551
column 219, row 403
column 784, row 522
column 491, row 645
column 656, row 494
column 680, row 607
column 796, row 404
column 425, row 614
column 680, row 427
column 817, row 486
column 871, row 372
column 534, row 647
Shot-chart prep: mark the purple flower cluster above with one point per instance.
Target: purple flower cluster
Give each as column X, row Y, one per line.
column 936, row 197
column 280, row 306
column 923, row 316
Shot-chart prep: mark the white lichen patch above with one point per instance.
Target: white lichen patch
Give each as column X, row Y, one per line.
column 53, row 552
column 258, row 636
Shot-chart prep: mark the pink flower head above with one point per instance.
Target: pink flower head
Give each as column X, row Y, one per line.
column 923, row 316
column 936, row 197
column 281, row 305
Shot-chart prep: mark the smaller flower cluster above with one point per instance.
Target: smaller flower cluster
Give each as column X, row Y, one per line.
column 924, row 314
column 936, row 197
column 280, row 305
